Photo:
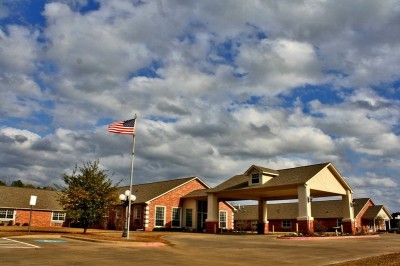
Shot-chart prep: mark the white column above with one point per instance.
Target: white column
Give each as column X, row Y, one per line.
column 262, row 211
column 348, row 209
column 303, row 192
column 212, row 208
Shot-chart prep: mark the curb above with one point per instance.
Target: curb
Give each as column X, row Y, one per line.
column 122, row 243
column 325, row 237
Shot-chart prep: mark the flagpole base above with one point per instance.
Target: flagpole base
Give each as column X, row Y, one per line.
column 125, row 232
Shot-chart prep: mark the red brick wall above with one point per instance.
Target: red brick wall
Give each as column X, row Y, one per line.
column 360, row 224
column 225, row 207
column 328, row 223
column 277, row 224
column 39, row 218
column 170, row 200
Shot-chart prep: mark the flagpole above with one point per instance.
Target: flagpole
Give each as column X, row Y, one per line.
column 131, row 182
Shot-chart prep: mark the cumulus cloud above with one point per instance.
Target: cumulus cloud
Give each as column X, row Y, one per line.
column 274, row 66
column 217, row 87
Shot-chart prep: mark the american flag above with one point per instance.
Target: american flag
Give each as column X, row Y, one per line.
column 123, row 127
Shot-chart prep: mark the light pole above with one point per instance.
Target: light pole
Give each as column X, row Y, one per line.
column 126, row 198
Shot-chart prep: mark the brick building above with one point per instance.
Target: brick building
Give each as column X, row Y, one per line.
column 168, row 205
column 301, row 184
column 189, row 204
column 15, row 208
column 327, row 215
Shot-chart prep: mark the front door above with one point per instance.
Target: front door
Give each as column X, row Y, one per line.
column 201, row 215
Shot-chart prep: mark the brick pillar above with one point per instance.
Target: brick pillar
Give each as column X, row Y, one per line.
column 349, row 226
column 212, row 227
column 306, row 226
column 262, row 228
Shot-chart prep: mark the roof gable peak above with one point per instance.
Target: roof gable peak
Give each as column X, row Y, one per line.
column 262, row 169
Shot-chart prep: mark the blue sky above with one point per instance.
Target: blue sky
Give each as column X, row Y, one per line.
column 217, row 87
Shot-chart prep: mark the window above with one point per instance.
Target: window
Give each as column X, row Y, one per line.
column 255, row 178
column 286, row 224
column 6, row 214
column 118, row 213
column 137, row 212
column 254, row 224
column 176, row 217
column 58, row 216
column 222, row 219
column 189, row 218
column 160, row 216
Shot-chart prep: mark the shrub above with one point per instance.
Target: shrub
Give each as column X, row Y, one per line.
column 319, row 227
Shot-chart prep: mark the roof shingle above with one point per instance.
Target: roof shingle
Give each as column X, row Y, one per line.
column 150, row 191
column 19, row 198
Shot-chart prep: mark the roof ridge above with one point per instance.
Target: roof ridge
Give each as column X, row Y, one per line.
column 305, row 166
column 164, row 181
column 29, row 188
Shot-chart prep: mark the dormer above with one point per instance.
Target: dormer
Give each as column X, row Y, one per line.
column 260, row 175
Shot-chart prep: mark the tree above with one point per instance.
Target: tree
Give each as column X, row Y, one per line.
column 17, row 183
column 395, row 222
column 89, row 194
column 29, row 186
column 2, row 183
column 52, row 188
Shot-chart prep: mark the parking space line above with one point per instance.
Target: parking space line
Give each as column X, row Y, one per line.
column 16, row 244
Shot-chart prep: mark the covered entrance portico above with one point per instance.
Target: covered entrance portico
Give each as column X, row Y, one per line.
column 301, row 183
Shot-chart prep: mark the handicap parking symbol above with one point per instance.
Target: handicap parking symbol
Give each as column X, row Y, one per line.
column 50, row 240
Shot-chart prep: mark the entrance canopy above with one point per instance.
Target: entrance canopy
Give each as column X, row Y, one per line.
column 323, row 180
column 265, row 184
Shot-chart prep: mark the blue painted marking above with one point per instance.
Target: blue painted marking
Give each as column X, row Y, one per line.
column 50, row 240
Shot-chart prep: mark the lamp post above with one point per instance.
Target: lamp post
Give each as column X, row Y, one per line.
column 126, row 198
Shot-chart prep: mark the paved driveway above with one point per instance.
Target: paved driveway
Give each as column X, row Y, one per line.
column 201, row 249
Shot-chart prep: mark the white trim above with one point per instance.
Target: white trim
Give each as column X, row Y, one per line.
column 226, row 219
column 8, row 219
column 155, row 215
column 59, row 221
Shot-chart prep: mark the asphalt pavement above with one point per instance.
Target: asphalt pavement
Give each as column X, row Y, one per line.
column 197, row 249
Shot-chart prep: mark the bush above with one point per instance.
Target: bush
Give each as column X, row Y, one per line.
column 319, row 227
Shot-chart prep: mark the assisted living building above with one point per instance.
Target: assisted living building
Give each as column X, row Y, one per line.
column 189, row 204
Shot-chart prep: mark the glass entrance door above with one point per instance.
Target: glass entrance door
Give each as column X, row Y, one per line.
column 201, row 215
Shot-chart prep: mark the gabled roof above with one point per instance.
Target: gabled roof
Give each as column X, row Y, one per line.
column 374, row 212
column 199, row 193
column 150, row 191
column 262, row 169
column 359, row 204
column 319, row 209
column 286, row 177
column 19, row 198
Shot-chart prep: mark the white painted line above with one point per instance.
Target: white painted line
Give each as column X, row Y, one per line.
column 23, row 243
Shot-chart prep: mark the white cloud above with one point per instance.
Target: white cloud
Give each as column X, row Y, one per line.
column 229, row 87
column 274, row 66
column 18, row 49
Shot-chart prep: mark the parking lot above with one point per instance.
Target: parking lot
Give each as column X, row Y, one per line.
column 194, row 249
